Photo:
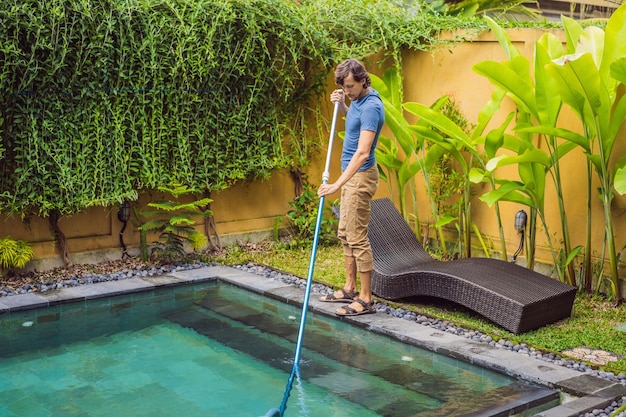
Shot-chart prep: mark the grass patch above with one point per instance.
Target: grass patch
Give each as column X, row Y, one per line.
column 593, row 322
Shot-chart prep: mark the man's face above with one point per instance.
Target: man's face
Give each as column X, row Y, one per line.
column 353, row 89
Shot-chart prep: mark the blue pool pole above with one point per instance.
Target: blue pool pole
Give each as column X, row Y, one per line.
column 295, row 370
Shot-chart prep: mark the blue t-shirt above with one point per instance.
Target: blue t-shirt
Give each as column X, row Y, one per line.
column 367, row 113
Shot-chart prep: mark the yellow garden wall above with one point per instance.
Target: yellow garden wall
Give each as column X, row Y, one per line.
column 249, row 211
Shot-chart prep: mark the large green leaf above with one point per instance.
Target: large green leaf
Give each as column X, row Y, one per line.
column 439, row 121
column 445, row 220
column 574, row 137
column 390, row 90
column 579, row 83
column 446, row 144
column 408, row 170
column 495, row 138
column 503, row 38
column 573, row 29
column 618, row 70
column 614, row 45
column 433, row 156
column 477, row 175
column 547, row 95
column 393, row 80
column 581, row 73
column 529, row 156
column 505, row 77
column 591, row 42
column 487, row 111
column 509, row 191
column 394, row 119
column 620, row 177
column 618, row 117
column 551, row 44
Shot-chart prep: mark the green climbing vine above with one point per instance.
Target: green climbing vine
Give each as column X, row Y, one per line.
column 100, row 101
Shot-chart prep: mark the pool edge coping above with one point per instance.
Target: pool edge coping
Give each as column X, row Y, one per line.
column 591, row 392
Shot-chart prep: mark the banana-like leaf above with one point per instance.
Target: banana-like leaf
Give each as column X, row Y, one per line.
column 573, row 29
column 580, row 86
column 573, row 254
column 408, row 170
column 565, row 148
column 495, row 138
column 494, row 162
column 393, row 80
column 618, row 70
column 551, row 45
column 618, row 117
column 388, row 161
column 547, row 95
column 445, row 220
column 596, row 161
column 505, row 77
column 441, row 122
column 614, row 45
column 503, row 38
column 527, row 175
column 508, row 191
column 573, row 137
column 448, row 145
column 433, row 156
column 487, row 111
column 477, row 175
column 529, row 156
column 620, row 181
column 389, row 89
column 591, row 42
column 512, row 143
column 620, row 176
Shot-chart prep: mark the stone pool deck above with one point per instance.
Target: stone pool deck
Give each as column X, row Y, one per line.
column 583, row 393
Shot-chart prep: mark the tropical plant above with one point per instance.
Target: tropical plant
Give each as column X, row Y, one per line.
column 588, row 77
column 446, row 184
column 174, row 221
column 584, row 77
column 303, row 219
column 397, row 156
column 449, row 136
column 446, row 138
column 537, row 104
column 14, row 253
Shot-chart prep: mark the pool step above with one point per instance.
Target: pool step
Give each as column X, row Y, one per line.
column 358, row 387
column 264, row 331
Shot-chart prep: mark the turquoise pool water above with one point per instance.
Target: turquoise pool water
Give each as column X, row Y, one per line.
column 216, row 350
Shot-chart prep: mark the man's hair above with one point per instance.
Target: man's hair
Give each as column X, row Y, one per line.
column 356, row 68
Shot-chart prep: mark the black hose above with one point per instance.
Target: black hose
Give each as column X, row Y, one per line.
column 519, row 249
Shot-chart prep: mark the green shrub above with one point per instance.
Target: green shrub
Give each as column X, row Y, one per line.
column 303, row 219
column 173, row 220
column 14, row 253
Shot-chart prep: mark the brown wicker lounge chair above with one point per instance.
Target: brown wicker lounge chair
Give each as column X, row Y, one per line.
column 512, row 296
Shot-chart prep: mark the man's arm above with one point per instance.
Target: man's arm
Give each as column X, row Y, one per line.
column 366, row 139
column 339, row 96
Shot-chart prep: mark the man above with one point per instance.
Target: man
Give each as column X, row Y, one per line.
column 358, row 182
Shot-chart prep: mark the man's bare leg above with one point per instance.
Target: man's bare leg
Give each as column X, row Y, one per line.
column 349, row 288
column 366, row 286
column 365, row 296
column 350, row 285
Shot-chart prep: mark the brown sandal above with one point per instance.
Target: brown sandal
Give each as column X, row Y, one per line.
column 345, row 296
column 368, row 308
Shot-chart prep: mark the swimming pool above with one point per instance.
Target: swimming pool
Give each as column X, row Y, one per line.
column 213, row 349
